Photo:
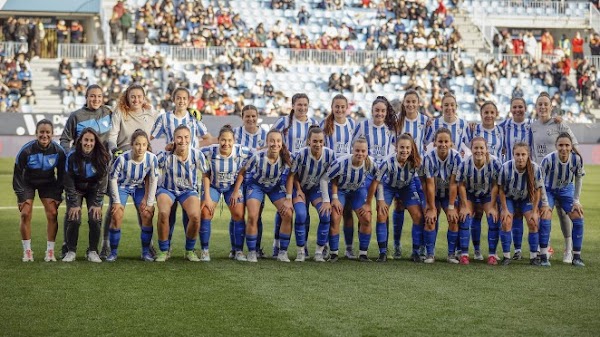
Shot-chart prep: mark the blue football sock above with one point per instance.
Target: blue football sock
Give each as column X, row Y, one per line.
column 381, row 233
column 534, row 242
column 115, row 237
column 452, row 237
column 277, row 226
column 251, row 242
column 493, row 234
column 517, row 232
column 417, row 237
column 430, row 237
column 398, row 223
column 363, row 241
column 349, row 236
column 334, row 242
column 164, row 245
column 577, row 235
column 172, row 219
column 544, row 232
column 284, row 241
column 306, row 225
column 146, row 238
column 300, row 231
column 505, row 239
column 239, row 229
column 205, row 227
column 476, row 232
column 231, row 235
column 190, row 243
column 260, row 232
column 463, row 233
column 322, row 232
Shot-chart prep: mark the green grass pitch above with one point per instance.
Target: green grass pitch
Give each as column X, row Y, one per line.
column 226, row 298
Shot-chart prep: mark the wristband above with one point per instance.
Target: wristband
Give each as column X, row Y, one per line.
column 450, row 206
column 334, row 196
column 288, row 196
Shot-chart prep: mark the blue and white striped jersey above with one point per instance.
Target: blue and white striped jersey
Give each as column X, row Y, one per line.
column 128, row 174
column 478, row 181
column 350, row 178
column 417, row 128
column 254, row 141
column 310, row 169
column 263, row 172
column 458, row 129
column 295, row 139
column 514, row 183
column 493, row 137
column 514, row 133
column 181, row 176
column 395, row 175
column 224, row 170
column 441, row 170
column 380, row 139
column 340, row 141
column 167, row 122
column 558, row 174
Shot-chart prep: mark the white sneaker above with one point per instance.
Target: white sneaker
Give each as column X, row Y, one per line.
column 319, row 257
column 69, row 257
column 568, row 257
column 93, row 256
column 283, row 256
column 300, row 257
column 50, row 256
column 239, row 256
column 477, row 256
column 429, row 259
column 205, row 255
column 350, row 255
column 252, row 257
column 27, row 255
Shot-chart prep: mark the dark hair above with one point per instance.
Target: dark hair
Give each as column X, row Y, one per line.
column 178, row 89
column 225, row 128
column 248, row 108
column 517, row 99
column 440, row 131
column 99, row 157
column 42, row 122
column 414, row 158
column 402, row 116
column 91, row 87
column 123, row 103
column 291, row 116
column 283, row 153
column 542, row 94
column 180, row 127
column 448, row 94
column 390, row 115
column 140, row 133
column 530, row 175
column 362, row 139
column 567, row 135
column 313, row 129
column 486, row 103
column 328, row 124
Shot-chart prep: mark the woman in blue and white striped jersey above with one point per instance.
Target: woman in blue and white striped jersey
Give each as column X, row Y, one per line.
column 224, row 160
column 134, row 173
column 179, row 184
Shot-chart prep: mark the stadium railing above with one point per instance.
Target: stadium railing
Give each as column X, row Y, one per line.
column 79, row 51
column 595, row 18
column 530, row 8
column 11, row 48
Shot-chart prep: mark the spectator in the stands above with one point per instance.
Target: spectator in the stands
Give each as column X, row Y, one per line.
column 530, row 44
column 578, row 46
column 76, row 32
column 62, row 32
column 547, row 43
column 303, row 16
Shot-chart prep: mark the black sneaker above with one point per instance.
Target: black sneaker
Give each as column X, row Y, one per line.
column 261, row 254
column 578, row 262
column 416, row 258
column 536, row 261
column 363, row 258
column 333, row 258
column 506, row 261
column 104, row 252
column 63, row 251
column 382, row 257
column 518, row 256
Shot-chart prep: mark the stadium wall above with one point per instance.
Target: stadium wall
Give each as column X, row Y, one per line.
column 17, row 129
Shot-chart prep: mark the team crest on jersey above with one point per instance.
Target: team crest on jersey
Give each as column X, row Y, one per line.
column 51, row 161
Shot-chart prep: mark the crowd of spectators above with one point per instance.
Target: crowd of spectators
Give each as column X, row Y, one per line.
column 405, row 25
column 15, row 84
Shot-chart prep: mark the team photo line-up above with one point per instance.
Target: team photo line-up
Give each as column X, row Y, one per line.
column 515, row 172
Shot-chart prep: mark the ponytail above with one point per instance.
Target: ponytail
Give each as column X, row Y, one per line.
column 284, row 153
column 573, row 148
column 141, row 133
column 530, row 174
column 390, row 115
